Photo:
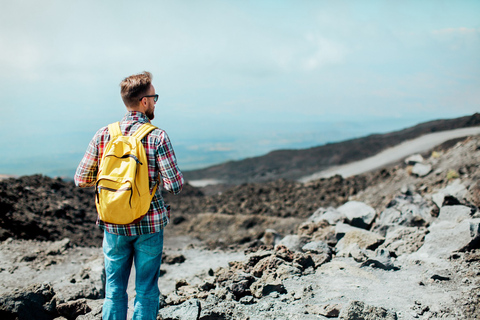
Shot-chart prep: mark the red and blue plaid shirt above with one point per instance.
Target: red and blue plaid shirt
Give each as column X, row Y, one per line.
column 161, row 161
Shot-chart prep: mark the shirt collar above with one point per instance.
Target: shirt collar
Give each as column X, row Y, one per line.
column 136, row 116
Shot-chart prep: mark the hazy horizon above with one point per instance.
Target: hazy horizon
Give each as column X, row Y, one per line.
column 204, row 153
column 236, row 79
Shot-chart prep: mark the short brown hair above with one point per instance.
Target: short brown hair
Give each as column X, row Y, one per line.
column 134, row 87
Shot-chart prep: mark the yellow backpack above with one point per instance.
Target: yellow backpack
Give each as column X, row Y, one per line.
column 122, row 190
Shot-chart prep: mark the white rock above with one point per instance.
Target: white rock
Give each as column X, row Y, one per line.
column 446, row 238
column 421, row 169
column 406, row 211
column 317, row 247
column 438, row 199
column 455, row 213
column 455, row 189
column 404, row 240
column 360, row 310
column 331, row 215
column 342, row 228
column 188, row 310
column 358, row 213
column 414, row 158
column 365, row 240
column 293, row 242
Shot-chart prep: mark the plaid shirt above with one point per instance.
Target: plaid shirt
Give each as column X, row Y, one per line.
column 161, row 160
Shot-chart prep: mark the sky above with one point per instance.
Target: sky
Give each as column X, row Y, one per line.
column 236, row 79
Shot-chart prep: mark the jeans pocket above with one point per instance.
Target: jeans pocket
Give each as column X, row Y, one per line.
column 151, row 244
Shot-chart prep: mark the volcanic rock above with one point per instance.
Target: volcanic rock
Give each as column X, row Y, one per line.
column 33, row 302
column 358, row 214
column 357, row 310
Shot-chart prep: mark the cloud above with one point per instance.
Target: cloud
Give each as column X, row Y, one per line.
column 325, row 52
column 213, row 147
column 24, row 61
column 221, row 147
column 459, row 39
column 457, row 31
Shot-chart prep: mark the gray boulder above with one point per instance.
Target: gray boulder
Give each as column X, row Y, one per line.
column 58, row 247
column 318, row 247
column 363, row 238
column 322, row 252
column 73, row 309
column 382, row 260
column 421, row 170
column 455, row 214
column 342, row 228
column 358, row 214
column 33, row 302
column 189, row 310
column 454, row 190
column 445, row 238
column 331, row 215
column 354, row 251
column 357, row 310
column 264, row 287
column 326, row 310
column 293, row 242
column 406, row 211
column 404, row 240
column 89, row 283
column 96, row 313
column 240, row 286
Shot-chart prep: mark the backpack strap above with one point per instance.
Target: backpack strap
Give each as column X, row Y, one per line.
column 141, row 132
column 114, row 129
column 144, row 129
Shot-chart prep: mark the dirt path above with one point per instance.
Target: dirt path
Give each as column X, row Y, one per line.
column 418, row 145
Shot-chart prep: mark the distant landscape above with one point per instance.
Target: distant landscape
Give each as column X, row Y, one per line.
column 294, row 164
column 292, row 161
column 202, row 150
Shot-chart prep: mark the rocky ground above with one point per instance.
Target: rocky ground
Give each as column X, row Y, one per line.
column 402, row 242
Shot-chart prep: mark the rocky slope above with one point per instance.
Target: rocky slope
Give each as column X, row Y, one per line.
column 41, row 208
column 399, row 243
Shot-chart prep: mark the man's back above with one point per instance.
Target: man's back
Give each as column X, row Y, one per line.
column 140, row 242
column 161, row 165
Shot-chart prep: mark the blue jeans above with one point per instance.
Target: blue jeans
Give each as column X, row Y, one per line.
column 120, row 251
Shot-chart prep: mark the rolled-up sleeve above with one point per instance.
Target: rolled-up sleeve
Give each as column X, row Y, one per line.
column 86, row 173
column 170, row 173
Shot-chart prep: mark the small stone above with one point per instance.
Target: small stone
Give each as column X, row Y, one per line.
column 360, row 310
column 326, row 310
column 173, row 259
column 72, row 309
column 421, row 170
column 58, row 247
column 247, row 300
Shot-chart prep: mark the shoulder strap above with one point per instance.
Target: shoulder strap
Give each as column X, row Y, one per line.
column 114, row 129
column 144, row 129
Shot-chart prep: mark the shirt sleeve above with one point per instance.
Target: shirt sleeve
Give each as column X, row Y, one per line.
column 86, row 173
column 170, row 173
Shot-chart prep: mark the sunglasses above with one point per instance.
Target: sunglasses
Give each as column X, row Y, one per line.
column 155, row 97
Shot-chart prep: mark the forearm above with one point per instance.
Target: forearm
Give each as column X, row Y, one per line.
column 174, row 185
column 86, row 173
column 171, row 175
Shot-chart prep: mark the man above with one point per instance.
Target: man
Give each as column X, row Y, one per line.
column 140, row 242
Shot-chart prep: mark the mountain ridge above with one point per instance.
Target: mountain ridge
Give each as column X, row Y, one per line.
column 294, row 164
